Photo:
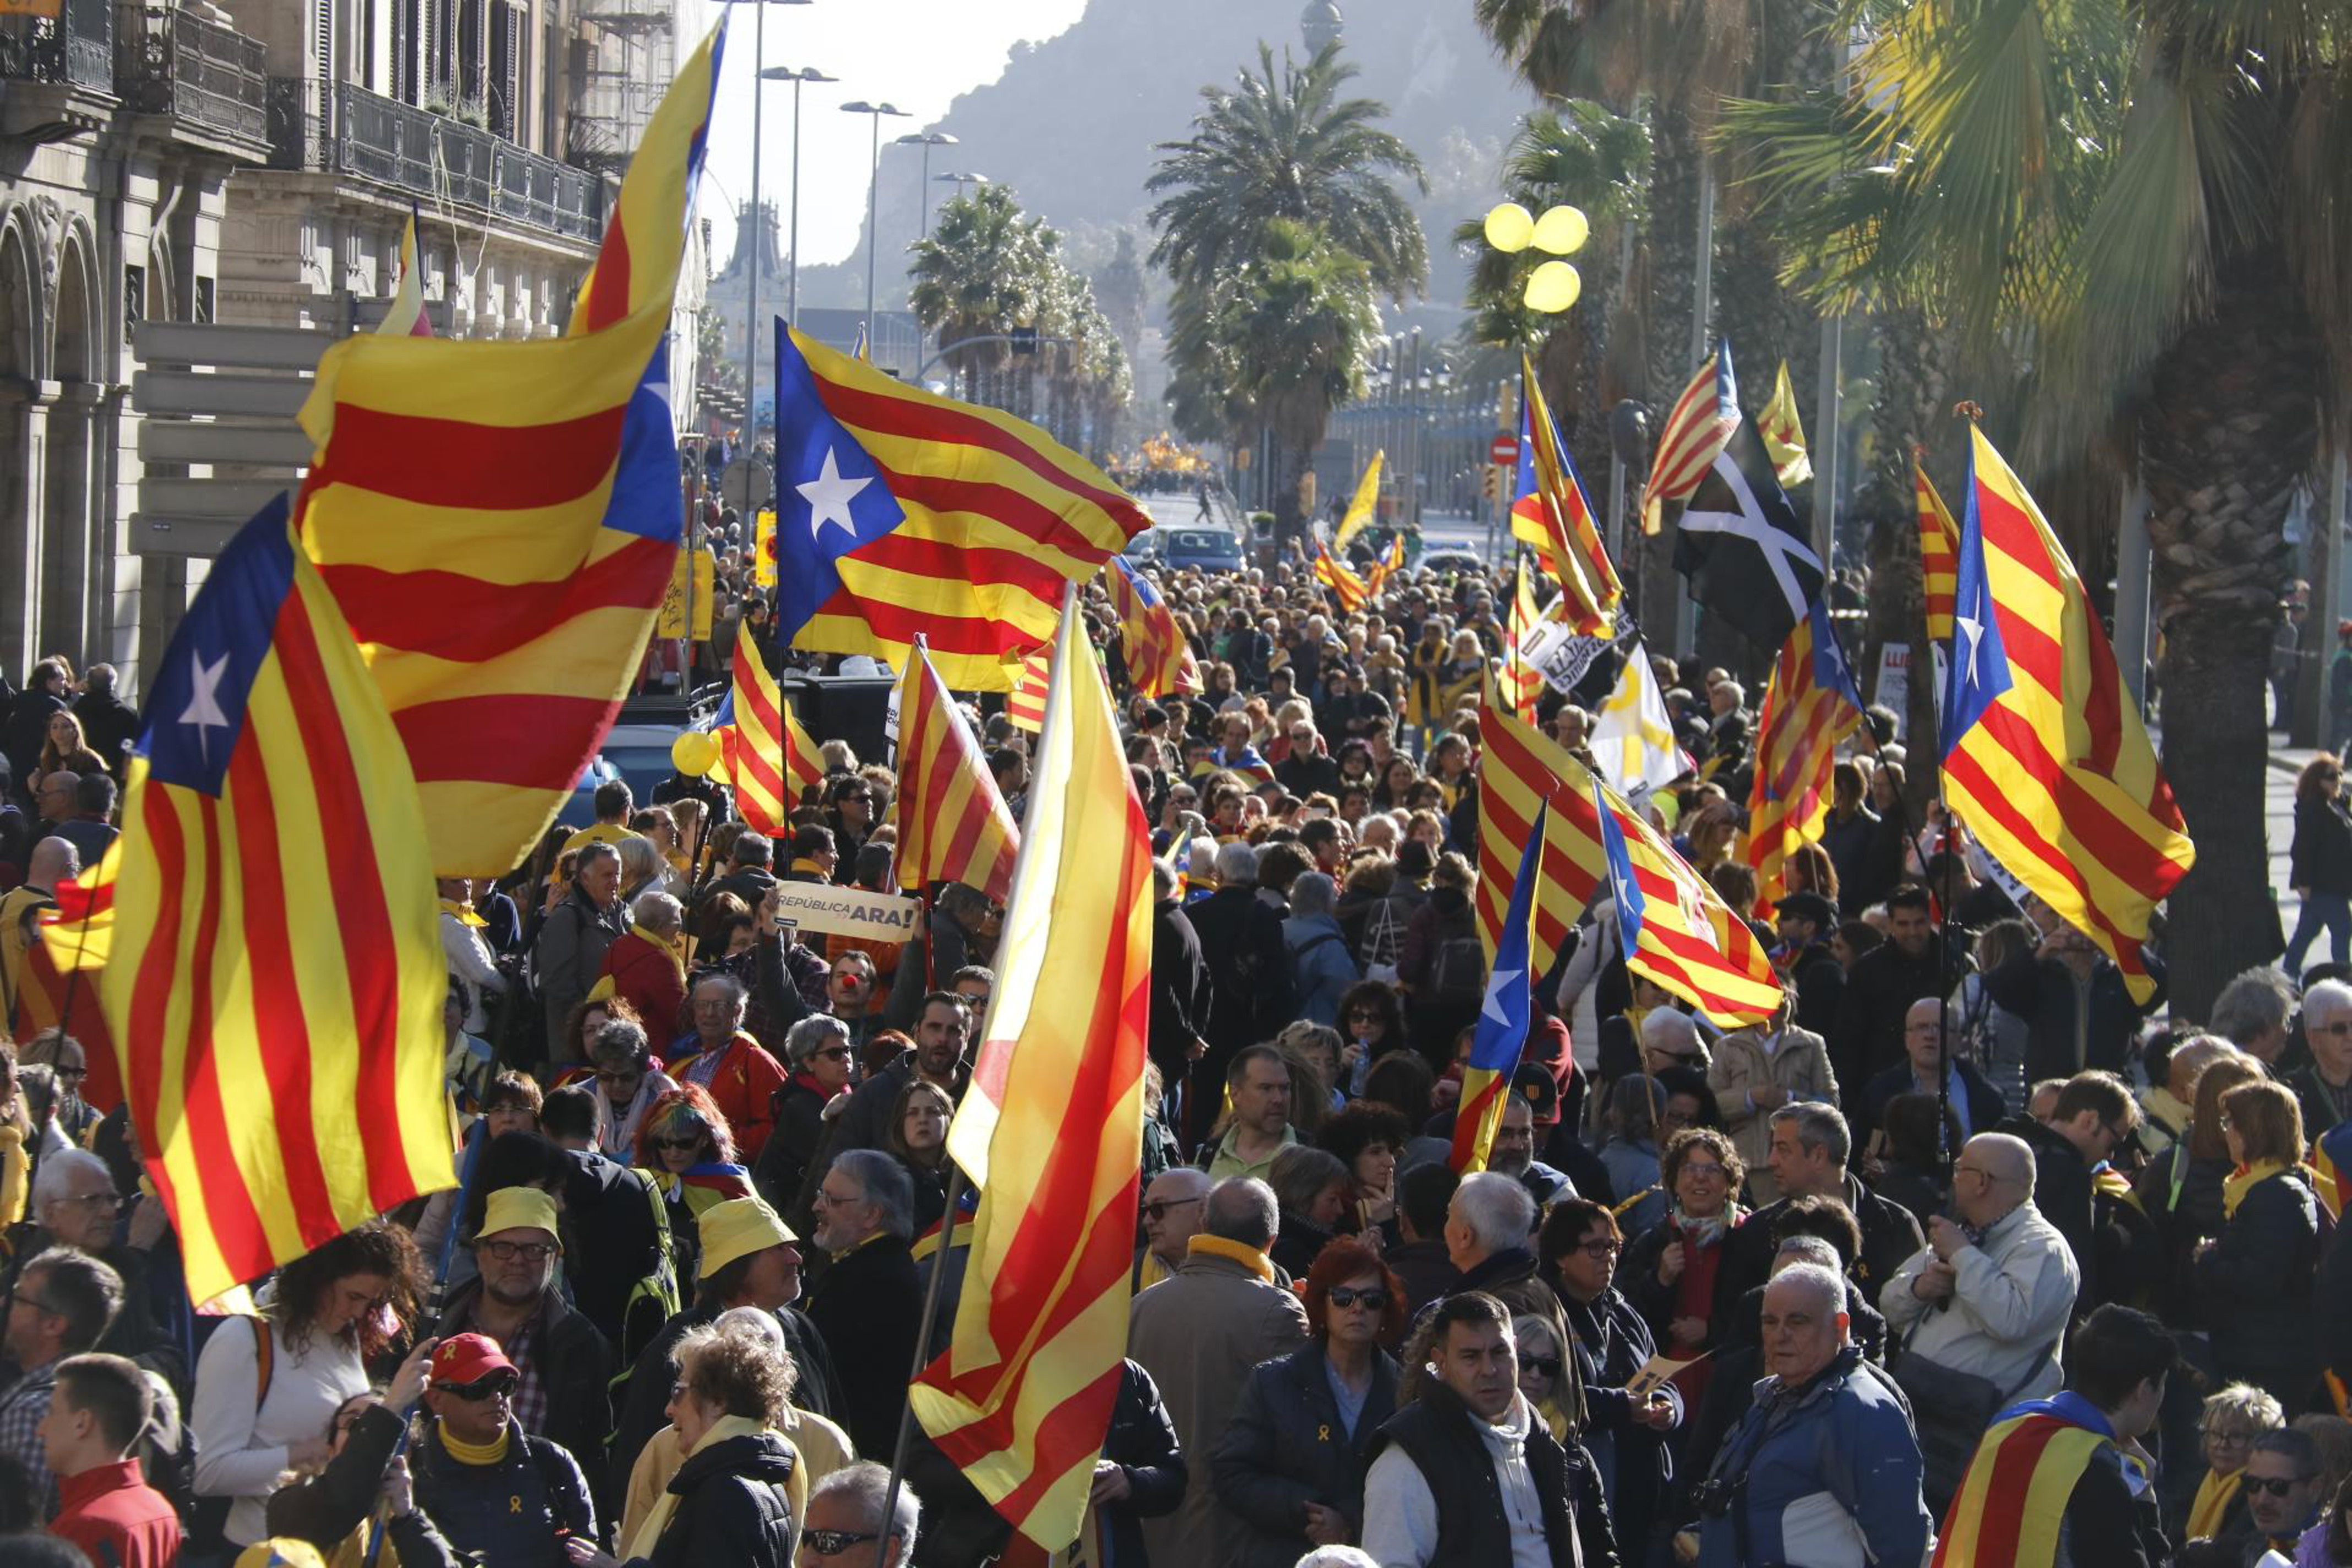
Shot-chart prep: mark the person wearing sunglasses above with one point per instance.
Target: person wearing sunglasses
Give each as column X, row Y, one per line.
column 497, row 1493
column 1610, row 1340
column 688, row 1146
column 628, row 1083
column 819, row 1054
column 846, row 1519
column 2284, row 1484
column 1289, row 1470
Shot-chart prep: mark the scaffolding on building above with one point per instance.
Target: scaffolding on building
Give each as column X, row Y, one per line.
column 623, row 59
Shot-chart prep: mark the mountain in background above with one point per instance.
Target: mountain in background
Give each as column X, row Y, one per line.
column 1072, row 123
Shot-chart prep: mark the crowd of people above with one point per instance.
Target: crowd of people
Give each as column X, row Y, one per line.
column 1763, row 1295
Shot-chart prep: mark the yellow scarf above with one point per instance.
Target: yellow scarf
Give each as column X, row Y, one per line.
column 1240, row 1252
column 675, row 948
column 657, row 1517
column 463, row 913
column 466, row 1453
column 804, row 864
column 2215, row 1493
column 2242, row 1180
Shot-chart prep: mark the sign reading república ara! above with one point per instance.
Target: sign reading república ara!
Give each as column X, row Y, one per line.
column 846, row 911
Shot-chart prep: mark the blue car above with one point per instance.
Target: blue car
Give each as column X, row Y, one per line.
column 1209, row 549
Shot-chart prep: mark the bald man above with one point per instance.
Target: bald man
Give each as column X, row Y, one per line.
column 1171, row 1218
column 2005, row 1280
column 2168, row 1105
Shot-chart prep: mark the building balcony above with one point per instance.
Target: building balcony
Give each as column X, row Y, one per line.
column 59, row 71
column 207, row 76
column 333, row 127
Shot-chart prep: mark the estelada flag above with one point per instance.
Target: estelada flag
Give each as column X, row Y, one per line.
column 498, row 521
column 276, row 978
column 1052, row 1130
column 1502, row 1032
column 900, row 511
column 1160, row 661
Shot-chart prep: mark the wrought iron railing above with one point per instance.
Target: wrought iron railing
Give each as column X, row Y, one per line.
column 175, row 62
column 341, row 128
column 74, row 47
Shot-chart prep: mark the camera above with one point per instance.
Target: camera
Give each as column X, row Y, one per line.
column 1714, row 1496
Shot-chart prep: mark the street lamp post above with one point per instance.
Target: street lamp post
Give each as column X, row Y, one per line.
column 927, row 141
column 876, row 112
column 756, row 232
column 960, row 180
column 799, row 78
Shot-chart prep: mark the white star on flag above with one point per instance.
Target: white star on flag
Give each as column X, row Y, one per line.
column 828, row 496
column 1496, row 987
column 203, row 702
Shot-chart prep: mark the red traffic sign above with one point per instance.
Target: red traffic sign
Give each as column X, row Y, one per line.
column 1504, row 451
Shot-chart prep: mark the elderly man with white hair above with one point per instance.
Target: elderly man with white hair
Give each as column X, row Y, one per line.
column 74, row 1203
column 2323, row 1086
column 1823, row 1468
column 850, row 1511
column 1754, row 1073
column 1987, row 1297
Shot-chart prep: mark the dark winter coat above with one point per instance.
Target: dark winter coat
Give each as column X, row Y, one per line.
column 2072, row 1025
column 1879, row 990
column 869, row 1309
column 2254, row 1288
column 731, row 1508
column 574, row 1364
column 2321, row 856
column 1286, row 1447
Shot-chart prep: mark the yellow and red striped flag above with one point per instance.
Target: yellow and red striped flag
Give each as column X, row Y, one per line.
column 1160, row 661
column 1348, row 590
column 1522, row 681
column 1672, row 926
column 1520, row 769
column 1552, row 516
column 1783, row 433
column 1703, row 419
column 58, row 987
column 764, row 755
column 1939, row 549
column 499, row 521
column 1051, row 1132
column 902, row 512
column 1377, row 575
column 277, row 978
column 406, row 317
column 2046, row 760
column 1025, row 709
column 1811, row 705
column 956, row 826
column 2012, row 1499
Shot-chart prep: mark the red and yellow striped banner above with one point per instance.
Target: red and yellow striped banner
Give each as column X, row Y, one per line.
column 955, row 826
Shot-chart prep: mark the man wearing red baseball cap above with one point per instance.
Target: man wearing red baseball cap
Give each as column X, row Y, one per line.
column 499, row 1494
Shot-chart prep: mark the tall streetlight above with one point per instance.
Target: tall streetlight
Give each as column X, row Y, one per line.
column 756, row 232
column 960, row 180
column 927, row 141
column 876, row 112
column 799, row 78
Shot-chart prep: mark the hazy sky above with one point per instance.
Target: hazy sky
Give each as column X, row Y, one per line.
column 914, row 54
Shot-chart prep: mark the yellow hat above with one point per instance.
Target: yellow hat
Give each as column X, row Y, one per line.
column 519, row 1208
column 738, row 1229
column 283, row 1552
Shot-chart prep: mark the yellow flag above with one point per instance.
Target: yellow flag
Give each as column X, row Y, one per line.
column 1784, row 438
column 1360, row 509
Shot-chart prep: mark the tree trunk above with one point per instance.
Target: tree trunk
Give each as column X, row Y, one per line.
column 2230, row 429
column 1667, row 283
column 1914, row 363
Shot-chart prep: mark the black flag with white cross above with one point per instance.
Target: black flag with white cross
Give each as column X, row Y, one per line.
column 1745, row 555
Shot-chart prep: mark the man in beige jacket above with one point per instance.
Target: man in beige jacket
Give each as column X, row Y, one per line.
column 1198, row 1333
column 1757, row 1071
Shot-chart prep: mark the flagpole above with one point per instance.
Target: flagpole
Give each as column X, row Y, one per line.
column 932, row 1291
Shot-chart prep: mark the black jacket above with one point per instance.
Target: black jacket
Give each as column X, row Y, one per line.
column 641, row 1396
column 611, row 1242
column 1286, row 1447
column 2070, row 1027
column 1637, row 1277
column 1889, row 1237
column 512, row 1514
column 1984, row 1105
column 869, row 1309
column 1879, row 990
column 1436, row 1431
column 2320, row 861
column 731, row 1508
column 1180, row 992
column 576, row 1367
column 1249, row 971
column 1611, row 1343
column 782, row 1170
column 1142, row 1442
column 324, row 1509
column 2062, row 1190
column 1821, row 988
column 2106, row 1526
column 2255, row 1289
column 110, row 725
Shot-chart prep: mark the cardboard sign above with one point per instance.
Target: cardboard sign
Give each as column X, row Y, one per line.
column 846, row 911
column 693, row 579
column 1656, row 1372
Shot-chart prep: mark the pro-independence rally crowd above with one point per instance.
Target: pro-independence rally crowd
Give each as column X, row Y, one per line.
column 1376, row 1066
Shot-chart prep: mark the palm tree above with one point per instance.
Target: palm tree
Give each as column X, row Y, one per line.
column 983, row 272
column 2143, row 198
column 1286, row 145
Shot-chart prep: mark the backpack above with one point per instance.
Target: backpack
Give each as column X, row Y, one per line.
column 1383, row 941
column 1457, row 977
column 654, row 1299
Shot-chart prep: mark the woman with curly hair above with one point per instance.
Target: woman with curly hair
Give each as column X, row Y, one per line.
column 329, row 1311
column 1672, row 1272
column 685, row 1143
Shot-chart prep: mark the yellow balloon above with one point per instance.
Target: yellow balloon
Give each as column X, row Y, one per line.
column 1562, row 231
column 1553, row 287
column 1509, row 226
column 695, row 752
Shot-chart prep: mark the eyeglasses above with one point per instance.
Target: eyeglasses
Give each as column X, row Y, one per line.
column 528, row 1251
column 21, row 1298
column 97, row 1200
column 1157, row 1211
column 1371, row 1297
column 2227, row 1439
column 1372, row 1013
column 481, row 1388
column 832, row 1053
column 632, row 1076
column 1709, row 1172
column 1541, row 1366
column 1600, row 1247
column 833, row 1542
column 2341, row 1026
column 687, row 1143
column 2276, row 1485
column 78, row 1074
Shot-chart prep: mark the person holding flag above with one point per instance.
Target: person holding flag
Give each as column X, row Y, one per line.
column 1502, row 1027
